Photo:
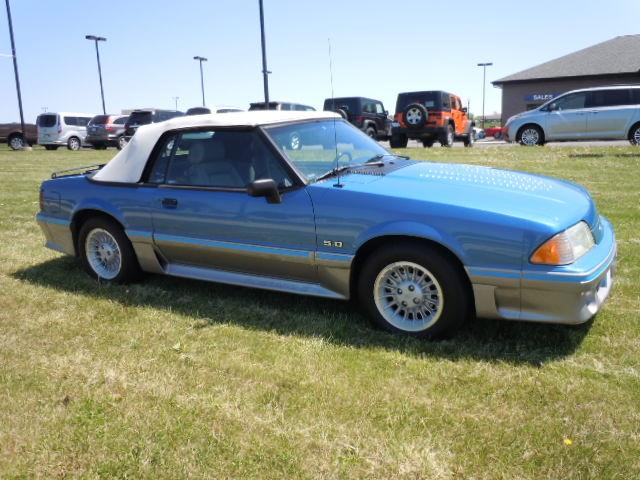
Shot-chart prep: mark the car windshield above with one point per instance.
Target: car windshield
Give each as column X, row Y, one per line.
column 317, row 147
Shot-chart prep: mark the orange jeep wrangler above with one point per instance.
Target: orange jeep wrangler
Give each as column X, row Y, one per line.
column 431, row 116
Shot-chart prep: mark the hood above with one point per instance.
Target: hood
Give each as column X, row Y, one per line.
column 554, row 203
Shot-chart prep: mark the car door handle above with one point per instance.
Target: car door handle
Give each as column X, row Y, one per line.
column 169, row 202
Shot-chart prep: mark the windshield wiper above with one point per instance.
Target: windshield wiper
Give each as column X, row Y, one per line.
column 375, row 161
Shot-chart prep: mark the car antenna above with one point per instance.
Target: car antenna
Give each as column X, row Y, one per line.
column 333, row 104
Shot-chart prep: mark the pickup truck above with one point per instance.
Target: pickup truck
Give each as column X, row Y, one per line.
column 11, row 133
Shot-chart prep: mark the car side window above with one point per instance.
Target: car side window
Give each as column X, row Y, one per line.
column 121, row 121
column 446, row 102
column 572, row 101
column 379, row 108
column 83, row 121
column 610, row 98
column 161, row 161
column 219, row 159
column 71, row 121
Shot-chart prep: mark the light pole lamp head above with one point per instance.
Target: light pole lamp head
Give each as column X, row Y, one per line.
column 487, row 64
column 96, row 38
column 202, row 59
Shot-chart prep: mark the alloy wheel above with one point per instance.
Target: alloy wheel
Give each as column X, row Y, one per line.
column 414, row 116
column 408, row 296
column 103, row 253
column 530, row 136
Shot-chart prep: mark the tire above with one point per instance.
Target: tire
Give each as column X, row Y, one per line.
column 51, row 147
column 530, row 135
column 16, row 142
column 415, row 115
column 446, row 138
column 106, row 233
column 428, row 143
column 398, row 140
column 634, row 135
column 470, row 139
column 122, row 142
column 429, row 276
column 74, row 144
column 371, row 132
column 498, row 136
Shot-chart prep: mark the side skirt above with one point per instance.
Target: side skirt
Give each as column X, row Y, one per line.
column 253, row 281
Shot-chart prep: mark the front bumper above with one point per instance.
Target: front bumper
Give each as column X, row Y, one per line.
column 569, row 295
column 57, row 233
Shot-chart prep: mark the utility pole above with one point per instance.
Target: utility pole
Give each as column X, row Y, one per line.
column 484, row 82
column 96, row 40
column 265, row 71
column 201, row 59
column 15, row 70
column 175, row 99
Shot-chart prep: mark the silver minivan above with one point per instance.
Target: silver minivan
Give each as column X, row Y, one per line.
column 602, row 113
column 63, row 128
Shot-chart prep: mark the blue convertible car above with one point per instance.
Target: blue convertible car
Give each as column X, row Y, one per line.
column 302, row 202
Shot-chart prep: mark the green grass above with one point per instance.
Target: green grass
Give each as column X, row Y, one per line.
column 172, row 378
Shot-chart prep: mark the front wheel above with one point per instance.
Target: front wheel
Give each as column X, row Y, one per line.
column 74, row 144
column 470, row 139
column 106, row 252
column 16, row 142
column 371, row 132
column 634, row 135
column 414, row 289
column 530, row 135
column 427, row 143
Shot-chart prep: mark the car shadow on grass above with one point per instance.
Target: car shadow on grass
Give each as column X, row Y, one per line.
column 335, row 321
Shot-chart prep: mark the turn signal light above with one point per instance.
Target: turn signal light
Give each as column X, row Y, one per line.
column 565, row 247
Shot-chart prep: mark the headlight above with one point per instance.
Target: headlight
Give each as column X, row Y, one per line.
column 565, row 247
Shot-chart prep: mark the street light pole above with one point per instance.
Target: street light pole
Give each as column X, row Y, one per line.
column 96, row 40
column 201, row 59
column 484, row 81
column 265, row 71
column 175, row 99
column 15, row 71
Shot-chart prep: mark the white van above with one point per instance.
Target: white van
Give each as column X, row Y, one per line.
column 63, row 128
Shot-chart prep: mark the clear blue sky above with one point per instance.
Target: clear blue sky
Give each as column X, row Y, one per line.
column 380, row 48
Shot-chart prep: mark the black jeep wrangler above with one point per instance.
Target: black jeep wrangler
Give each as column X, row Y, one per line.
column 367, row 114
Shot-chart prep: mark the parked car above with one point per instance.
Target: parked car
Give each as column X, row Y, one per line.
column 145, row 117
column 367, row 114
column 207, row 110
column 421, row 245
column 479, row 133
column 280, row 106
column 11, row 134
column 603, row 113
column 63, row 128
column 431, row 116
column 107, row 131
column 495, row 132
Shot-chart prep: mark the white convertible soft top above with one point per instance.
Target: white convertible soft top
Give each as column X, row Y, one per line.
column 128, row 164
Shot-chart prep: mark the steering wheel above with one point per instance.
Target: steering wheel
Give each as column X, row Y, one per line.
column 343, row 154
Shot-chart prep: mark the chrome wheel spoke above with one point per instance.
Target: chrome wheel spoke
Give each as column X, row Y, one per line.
column 103, row 253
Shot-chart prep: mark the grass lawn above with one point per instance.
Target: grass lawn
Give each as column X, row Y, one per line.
column 173, row 378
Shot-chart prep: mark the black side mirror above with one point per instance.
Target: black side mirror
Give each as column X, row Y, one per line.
column 265, row 187
column 386, row 113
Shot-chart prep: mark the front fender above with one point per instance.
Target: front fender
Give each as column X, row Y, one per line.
column 411, row 229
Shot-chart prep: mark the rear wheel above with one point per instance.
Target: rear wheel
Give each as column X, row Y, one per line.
column 530, row 135
column 634, row 134
column 122, row 142
column 51, row 147
column 371, row 132
column 446, row 138
column 16, row 142
column 414, row 289
column 106, row 252
column 74, row 144
column 398, row 140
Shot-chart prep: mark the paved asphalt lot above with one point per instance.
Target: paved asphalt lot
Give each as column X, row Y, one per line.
column 500, row 143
